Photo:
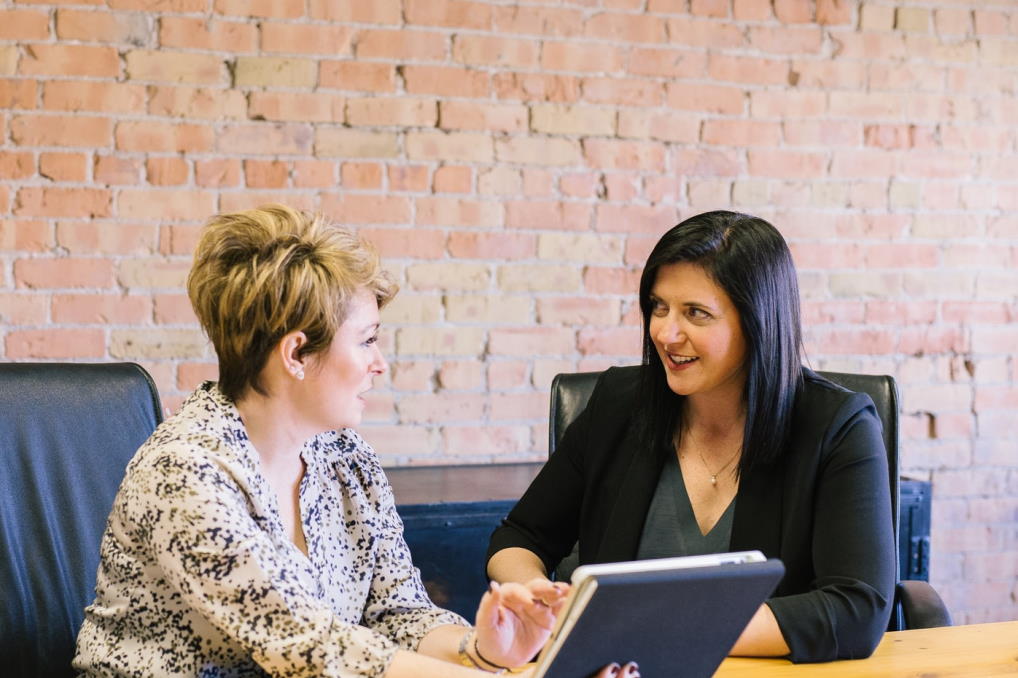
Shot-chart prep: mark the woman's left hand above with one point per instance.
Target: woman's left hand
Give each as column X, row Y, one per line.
column 515, row 620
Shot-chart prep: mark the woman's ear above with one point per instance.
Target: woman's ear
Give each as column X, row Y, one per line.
column 289, row 352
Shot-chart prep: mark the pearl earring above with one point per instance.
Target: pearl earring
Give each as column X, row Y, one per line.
column 299, row 373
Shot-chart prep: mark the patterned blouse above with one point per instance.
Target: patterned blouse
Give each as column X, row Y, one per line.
column 198, row 578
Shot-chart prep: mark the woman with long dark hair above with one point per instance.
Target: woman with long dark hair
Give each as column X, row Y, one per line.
column 722, row 441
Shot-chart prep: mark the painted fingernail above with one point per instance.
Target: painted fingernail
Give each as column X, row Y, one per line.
column 614, row 670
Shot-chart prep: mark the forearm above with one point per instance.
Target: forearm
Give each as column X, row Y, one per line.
column 437, row 655
column 762, row 636
column 516, row 565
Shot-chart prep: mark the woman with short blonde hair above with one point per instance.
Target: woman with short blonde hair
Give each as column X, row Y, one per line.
column 254, row 532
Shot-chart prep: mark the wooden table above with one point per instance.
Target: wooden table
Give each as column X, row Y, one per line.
column 974, row 651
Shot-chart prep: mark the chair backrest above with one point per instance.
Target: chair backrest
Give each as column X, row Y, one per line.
column 67, row 432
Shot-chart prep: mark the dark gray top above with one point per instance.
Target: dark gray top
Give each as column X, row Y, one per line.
column 671, row 528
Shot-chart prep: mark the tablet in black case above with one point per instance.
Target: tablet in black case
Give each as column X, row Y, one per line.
column 675, row 621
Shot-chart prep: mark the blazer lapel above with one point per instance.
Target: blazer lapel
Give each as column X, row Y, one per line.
column 757, row 521
column 625, row 522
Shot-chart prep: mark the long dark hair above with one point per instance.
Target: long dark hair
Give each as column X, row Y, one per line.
column 749, row 260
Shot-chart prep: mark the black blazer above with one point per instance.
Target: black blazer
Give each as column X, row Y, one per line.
column 824, row 509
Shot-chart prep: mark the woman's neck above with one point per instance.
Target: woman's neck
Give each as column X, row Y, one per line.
column 273, row 429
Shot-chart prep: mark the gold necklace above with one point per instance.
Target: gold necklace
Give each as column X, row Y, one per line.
column 714, row 475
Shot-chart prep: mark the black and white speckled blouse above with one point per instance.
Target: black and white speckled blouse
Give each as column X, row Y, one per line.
column 198, row 578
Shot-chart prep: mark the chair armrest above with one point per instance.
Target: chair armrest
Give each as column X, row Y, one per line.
column 922, row 605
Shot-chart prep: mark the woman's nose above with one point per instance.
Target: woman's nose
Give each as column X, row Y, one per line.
column 671, row 332
column 378, row 365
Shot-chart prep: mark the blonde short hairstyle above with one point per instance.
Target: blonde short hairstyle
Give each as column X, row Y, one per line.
column 263, row 273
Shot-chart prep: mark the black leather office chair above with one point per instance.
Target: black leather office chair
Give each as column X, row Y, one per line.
column 917, row 604
column 67, row 432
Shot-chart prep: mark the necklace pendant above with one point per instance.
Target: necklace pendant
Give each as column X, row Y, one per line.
column 714, row 480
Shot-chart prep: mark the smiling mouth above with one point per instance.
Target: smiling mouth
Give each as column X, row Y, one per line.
column 680, row 360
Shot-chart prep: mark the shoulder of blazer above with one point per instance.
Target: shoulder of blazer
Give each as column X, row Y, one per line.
column 823, row 408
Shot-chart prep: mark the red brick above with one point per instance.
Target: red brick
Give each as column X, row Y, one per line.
column 23, row 309
column 482, row 116
column 577, row 311
column 250, row 198
column 163, row 137
column 207, row 34
column 667, row 63
column 24, row 235
column 87, row 95
column 626, row 92
column 711, row 8
column 166, row 171
column 453, row 179
column 622, row 187
column 171, row 309
column 518, row 407
column 797, row 40
column 172, row 6
column 17, row 93
column 70, row 60
column 114, row 170
column 360, row 76
column 441, row 408
column 618, row 154
column 807, row 74
column 409, row 178
column 751, row 10
column 482, row 443
column 265, row 139
column 178, row 238
column 367, row 209
column 271, row 9
column 63, row 272
column 750, row 70
column 266, row 173
column 296, row 106
column 768, row 104
column 446, row 211
column 531, row 341
column 314, row 173
column 691, row 32
column 165, row 205
column 61, row 130
column 55, row 343
column 101, row 26
column 402, row 111
column 197, row 102
column 23, row 24
column 833, row 12
column 634, row 218
column 968, row 312
column 786, row 164
column 375, row 12
column 486, row 50
column 100, row 308
column 707, row 163
column 63, row 166
column 609, row 341
column 416, row 243
column 62, row 202
column 16, row 165
column 706, row 98
column 103, row 237
column 499, row 246
column 536, row 87
column 217, row 172
column 167, row 66
column 741, row 133
column 559, row 22
column 334, row 40
column 191, row 375
column 627, row 28
column 361, row 175
column 548, row 215
column 401, row 45
column 448, row 14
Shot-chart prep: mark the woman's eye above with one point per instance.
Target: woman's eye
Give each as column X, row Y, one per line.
column 659, row 309
column 371, row 340
column 698, row 314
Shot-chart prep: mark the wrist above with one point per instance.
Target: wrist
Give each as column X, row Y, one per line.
column 471, row 657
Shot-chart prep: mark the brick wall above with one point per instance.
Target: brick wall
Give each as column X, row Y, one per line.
column 515, row 162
